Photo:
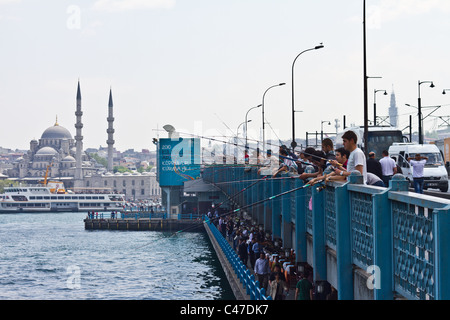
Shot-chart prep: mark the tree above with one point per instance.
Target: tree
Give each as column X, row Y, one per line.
column 100, row 160
column 7, row 183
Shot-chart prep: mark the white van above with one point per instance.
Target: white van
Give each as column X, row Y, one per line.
column 434, row 173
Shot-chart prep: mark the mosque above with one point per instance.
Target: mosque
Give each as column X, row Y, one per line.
column 52, row 155
column 60, row 156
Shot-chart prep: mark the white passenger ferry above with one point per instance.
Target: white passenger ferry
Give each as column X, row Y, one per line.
column 54, row 198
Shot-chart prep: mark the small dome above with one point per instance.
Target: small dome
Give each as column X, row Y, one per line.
column 46, row 151
column 69, row 159
column 56, row 132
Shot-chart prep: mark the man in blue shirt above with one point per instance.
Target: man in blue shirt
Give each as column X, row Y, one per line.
column 262, row 270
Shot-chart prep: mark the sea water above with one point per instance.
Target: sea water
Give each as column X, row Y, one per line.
column 51, row 256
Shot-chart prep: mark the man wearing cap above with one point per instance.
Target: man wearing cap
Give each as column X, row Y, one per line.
column 374, row 166
column 388, row 167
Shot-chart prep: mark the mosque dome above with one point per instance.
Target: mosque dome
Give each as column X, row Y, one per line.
column 56, row 132
column 46, row 151
column 69, row 159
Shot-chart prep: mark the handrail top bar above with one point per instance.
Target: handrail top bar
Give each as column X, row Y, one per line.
column 420, row 200
column 364, row 188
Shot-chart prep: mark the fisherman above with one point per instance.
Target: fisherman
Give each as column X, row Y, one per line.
column 327, row 147
column 271, row 163
column 357, row 159
column 287, row 163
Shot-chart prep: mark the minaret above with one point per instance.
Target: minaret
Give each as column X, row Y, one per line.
column 78, row 142
column 393, row 112
column 110, row 132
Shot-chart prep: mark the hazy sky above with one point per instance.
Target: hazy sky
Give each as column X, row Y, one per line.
column 200, row 65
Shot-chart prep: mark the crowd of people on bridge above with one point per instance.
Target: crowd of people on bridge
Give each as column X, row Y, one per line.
column 327, row 164
column 256, row 248
column 266, row 258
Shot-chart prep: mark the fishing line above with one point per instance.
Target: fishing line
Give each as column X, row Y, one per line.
column 238, row 210
column 238, row 145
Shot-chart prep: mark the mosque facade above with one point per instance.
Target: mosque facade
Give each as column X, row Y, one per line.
column 58, row 155
column 52, row 155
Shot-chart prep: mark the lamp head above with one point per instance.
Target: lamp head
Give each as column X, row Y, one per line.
column 320, row 46
column 443, row 92
column 385, row 93
column 432, row 85
column 282, row 84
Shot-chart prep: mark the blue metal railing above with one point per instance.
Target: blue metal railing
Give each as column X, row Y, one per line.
column 141, row 215
column 405, row 236
column 247, row 280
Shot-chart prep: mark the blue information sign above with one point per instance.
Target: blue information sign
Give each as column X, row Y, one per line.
column 178, row 161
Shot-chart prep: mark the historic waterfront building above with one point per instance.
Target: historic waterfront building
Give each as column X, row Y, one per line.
column 52, row 155
column 135, row 186
column 59, row 156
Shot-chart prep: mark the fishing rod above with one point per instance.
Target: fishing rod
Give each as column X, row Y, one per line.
column 267, row 199
column 229, row 199
column 238, row 145
column 256, row 149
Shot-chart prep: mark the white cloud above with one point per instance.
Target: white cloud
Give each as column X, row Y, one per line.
column 126, row 5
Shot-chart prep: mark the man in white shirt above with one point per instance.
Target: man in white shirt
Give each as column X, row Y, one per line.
column 262, row 270
column 356, row 160
column 271, row 163
column 388, row 167
column 418, row 164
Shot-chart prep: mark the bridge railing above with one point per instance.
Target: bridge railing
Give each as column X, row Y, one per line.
column 401, row 239
column 247, row 279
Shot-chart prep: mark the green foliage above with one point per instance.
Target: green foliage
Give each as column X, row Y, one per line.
column 7, row 183
column 102, row 161
column 121, row 169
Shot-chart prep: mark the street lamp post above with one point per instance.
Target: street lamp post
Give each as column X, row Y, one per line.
column 321, row 128
column 293, row 143
column 419, row 107
column 375, row 104
column 236, row 141
column 246, row 143
column 263, row 119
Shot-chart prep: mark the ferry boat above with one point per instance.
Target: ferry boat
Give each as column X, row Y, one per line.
column 52, row 197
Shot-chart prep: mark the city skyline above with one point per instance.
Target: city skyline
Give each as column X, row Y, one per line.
column 202, row 65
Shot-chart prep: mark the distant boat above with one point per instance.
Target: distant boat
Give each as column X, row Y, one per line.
column 53, row 197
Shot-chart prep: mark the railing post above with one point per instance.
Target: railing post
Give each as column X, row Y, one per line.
column 442, row 249
column 383, row 237
column 267, row 183
column 286, row 226
column 300, row 223
column 318, row 226
column 276, row 210
column 260, row 196
column 343, row 244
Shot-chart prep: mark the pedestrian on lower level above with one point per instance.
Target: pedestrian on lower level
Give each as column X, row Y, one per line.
column 304, row 288
column 262, row 270
column 251, row 253
column 242, row 251
column 278, row 287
